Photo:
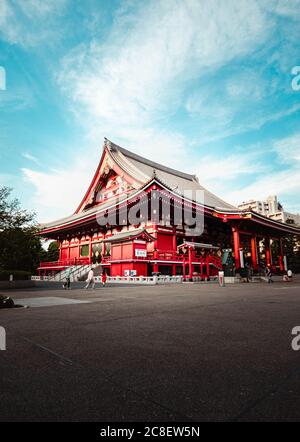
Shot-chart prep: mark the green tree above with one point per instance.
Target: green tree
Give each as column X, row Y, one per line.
column 20, row 247
column 292, row 251
column 52, row 252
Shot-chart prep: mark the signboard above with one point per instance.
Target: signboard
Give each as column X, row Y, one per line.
column 141, row 253
column 221, row 279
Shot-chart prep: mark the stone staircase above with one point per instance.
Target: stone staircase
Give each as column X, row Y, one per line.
column 77, row 273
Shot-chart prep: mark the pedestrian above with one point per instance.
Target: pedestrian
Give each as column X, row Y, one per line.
column 285, row 277
column 90, row 280
column 103, row 278
column 247, row 272
column 290, row 274
column 67, row 283
column 268, row 274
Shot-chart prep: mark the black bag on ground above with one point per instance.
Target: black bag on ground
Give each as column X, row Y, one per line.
column 6, row 302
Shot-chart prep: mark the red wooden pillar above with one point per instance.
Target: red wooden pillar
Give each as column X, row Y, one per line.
column 254, row 254
column 60, row 250
column 174, row 243
column 236, row 247
column 155, row 254
column 173, row 269
column 90, row 250
column 190, row 264
column 183, row 270
column 268, row 252
column 281, row 254
column 207, row 267
column 69, row 250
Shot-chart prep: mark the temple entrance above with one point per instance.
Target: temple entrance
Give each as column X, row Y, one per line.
column 165, row 270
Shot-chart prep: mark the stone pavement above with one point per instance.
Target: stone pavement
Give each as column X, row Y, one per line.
column 165, row 353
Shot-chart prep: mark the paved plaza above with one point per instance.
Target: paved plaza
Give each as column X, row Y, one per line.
column 182, row 352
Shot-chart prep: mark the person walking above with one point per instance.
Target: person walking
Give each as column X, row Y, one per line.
column 90, row 280
column 67, row 284
column 103, row 278
column 290, row 275
column 268, row 274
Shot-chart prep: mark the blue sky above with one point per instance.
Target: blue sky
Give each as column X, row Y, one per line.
column 201, row 85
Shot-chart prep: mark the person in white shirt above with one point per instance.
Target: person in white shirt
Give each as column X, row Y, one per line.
column 90, row 280
column 290, row 274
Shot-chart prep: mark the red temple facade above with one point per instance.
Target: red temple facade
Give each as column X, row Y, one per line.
column 139, row 218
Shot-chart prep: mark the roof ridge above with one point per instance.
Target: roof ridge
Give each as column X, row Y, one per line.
column 112, row 146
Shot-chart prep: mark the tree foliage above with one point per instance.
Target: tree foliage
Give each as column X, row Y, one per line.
column 20, row 248
column 52, row 253
column 292, row 251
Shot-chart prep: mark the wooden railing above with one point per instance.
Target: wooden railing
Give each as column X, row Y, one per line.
column 66, row 262
column 159, row 256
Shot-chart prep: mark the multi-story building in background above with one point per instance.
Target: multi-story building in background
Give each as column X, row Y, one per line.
column 272, row 209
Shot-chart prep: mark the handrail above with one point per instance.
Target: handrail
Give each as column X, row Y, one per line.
column 66, row 262
column 156, row 256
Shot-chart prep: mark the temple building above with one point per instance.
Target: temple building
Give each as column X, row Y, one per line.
column 140, row 218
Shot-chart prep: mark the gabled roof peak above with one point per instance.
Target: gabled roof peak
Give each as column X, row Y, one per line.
column 112, row 147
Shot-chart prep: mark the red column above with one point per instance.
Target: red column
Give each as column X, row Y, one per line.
column 155, row 254
column 60, row 250
column 268, row 252
column 174, row 242
column 254, row 252
column 90, row 250
column 281, row 253
column 236, row 246
column 207, row 267
column 190, row 263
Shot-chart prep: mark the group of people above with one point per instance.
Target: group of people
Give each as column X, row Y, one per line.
column 288, row 275
column 90, row 282
column 91, row 279
column 246, row 274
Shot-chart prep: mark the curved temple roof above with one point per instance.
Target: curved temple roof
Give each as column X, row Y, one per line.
column 142, row 172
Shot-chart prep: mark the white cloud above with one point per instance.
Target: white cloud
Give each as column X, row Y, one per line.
column 229, row 168
column 284, row 182
column 140, row 74
column 30, row 157
column 287, row 8
column 58, row 192
column 28, row 23
column 288, row 149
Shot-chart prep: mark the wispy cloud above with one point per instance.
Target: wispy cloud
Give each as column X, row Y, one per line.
column 284, row 182
column 31, row 22
column 138, row 75
column 30, row 157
